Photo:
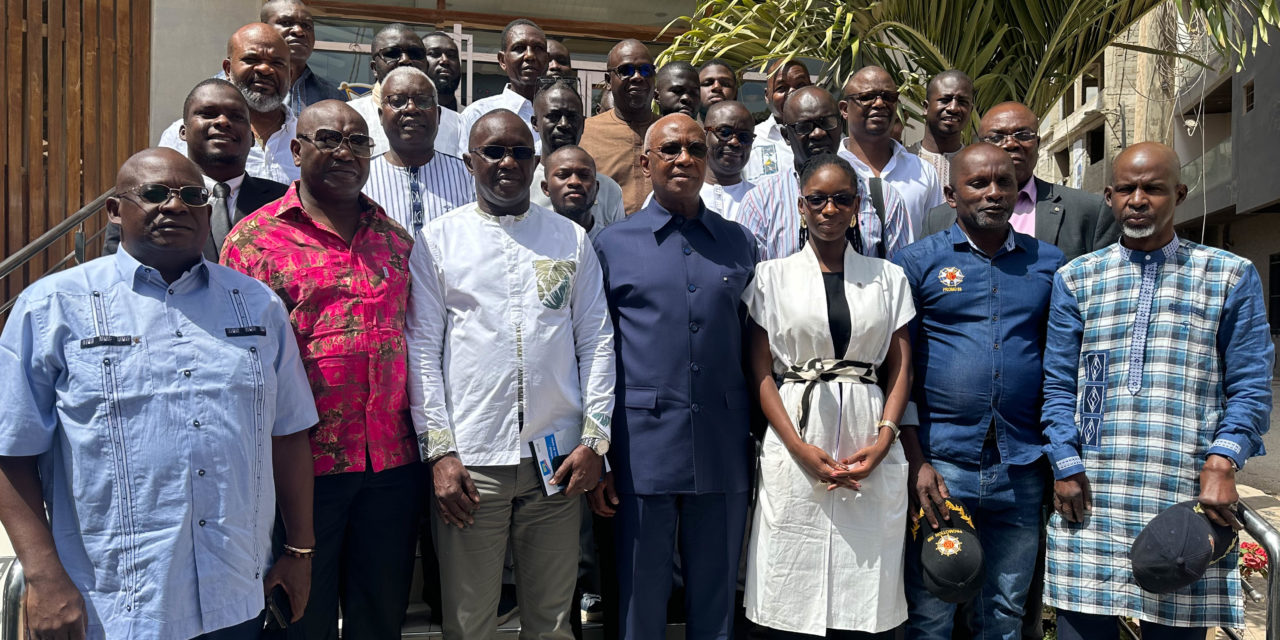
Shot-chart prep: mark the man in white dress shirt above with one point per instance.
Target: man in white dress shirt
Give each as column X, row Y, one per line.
column 257, row 64
column 524, row 59
column 558, row 121
column 729, row 139
column 510, row 344
column 771, row 153
column 413, row 181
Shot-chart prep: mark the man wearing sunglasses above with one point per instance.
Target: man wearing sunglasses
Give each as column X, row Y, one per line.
column 869, row 103
column 811, row 126
column 729, row 138
column 557, row 117
column 674, row 275
column 340, row 266
column 1075, row 221
column 396, row 45
column 156, row 408
column 510, row 346
column 771, row 153
column 524, row 59
column 257, row 64
column 414, row 182
column 615, row 138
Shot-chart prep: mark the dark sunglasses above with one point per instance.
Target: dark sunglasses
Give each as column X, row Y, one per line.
column 401, row 102
column 725, row 133
column 360, row 144
column 395, row 53
column 1021, row 135
column 819, row 202
column 671, row 150
column 546, row 82
column 806, row 127
column 645, row 70
column 868, row 98
column 154, row 193
column 496, row 152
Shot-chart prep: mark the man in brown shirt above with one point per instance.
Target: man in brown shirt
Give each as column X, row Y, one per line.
column 615, row 138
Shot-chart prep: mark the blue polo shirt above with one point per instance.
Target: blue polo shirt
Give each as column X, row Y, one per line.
column 674, row 286
column 977, row 343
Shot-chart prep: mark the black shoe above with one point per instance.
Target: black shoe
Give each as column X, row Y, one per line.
column 592, row 608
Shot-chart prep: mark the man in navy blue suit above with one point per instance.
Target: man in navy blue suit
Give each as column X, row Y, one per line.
column 674, row 275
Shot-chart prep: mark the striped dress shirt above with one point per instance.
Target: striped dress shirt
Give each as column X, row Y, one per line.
column 414, row 196
column 772, row 212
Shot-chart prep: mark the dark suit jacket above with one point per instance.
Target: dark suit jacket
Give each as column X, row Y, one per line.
column 254, row 194
column 1075, row 221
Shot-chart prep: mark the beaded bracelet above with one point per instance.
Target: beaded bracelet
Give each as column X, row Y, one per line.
column 298, row 553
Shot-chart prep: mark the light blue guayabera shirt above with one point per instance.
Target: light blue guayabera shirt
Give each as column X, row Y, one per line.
column 151, row 407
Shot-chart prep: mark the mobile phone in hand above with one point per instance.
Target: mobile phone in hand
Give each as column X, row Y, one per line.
column 279, row 612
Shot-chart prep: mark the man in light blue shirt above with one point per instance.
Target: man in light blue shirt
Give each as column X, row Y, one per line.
column 151, row 399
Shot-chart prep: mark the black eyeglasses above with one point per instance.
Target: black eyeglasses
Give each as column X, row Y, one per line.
column 155, row 193
column 806, row 127
column 496, row 152
column 360, row 144
column 395, row 53
column 669, row 151
column 1021, row 135
column 726, row 133
column 645, row 70
column 819, row 202
column 546, row 82
column 400, row 102
column 868, row 98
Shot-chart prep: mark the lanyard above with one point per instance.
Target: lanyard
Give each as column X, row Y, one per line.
column 415, row 197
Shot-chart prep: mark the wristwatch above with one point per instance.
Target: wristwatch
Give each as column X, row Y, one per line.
column 598, row 445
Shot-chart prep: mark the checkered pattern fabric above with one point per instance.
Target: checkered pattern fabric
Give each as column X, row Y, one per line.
column 1150, row 441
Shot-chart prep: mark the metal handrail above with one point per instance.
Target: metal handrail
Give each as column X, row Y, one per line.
column 11, row 586
column 1269, row 539
column 74, row 222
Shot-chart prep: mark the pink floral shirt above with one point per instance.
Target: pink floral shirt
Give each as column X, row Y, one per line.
column 347, row 304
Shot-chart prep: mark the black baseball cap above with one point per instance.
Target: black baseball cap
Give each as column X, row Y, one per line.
column 1177, row 547
column 951, row 558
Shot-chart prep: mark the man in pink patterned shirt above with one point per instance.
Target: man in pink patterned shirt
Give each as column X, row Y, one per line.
column 341, row 267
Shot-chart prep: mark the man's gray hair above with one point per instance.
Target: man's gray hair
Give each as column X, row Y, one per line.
column 412, row 72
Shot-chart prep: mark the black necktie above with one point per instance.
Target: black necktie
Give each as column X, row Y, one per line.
column 220, row 217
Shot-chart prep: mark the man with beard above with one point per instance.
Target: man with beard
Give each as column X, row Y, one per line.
column 396, row 45
column 292, row 19
column 444, row 67
column 257, row 64
column 981, row 293
column 869, row 105
column 1157, row 388
column 559, row 65
column 215, row 127
column 729, row 138
column 771, row 153
column 948, row 105
column 557, row 117
column 718, row 81
column 524, row 59
column 772, row 211
column 677, row 89
column 341, row 267
column 1075, row 221
column 615, row 138
column 510, row 345
column 414, row 182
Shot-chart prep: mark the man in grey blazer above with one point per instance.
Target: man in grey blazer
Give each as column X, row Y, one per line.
column 1075, row 221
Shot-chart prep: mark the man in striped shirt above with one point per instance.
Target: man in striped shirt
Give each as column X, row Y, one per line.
column 771, row 210
column 413, row 181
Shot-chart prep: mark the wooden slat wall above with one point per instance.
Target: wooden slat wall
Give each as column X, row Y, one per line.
column 76, row 80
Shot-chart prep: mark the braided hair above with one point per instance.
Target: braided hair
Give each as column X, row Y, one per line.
column 811, row 167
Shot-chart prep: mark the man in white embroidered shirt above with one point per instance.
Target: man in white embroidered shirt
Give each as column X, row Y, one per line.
column 510, row 346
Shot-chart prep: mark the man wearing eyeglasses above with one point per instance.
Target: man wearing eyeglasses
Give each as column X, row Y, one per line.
column 557, row 117
column 510, row 348
column 396, row 45
column 870, row 99
column 414, row 182
column 157, row 410
column 257, row 64
column 1075, row 221
column 771, row 210
column 292, row 19
column 341, row 267
column 524, row 59
column 729, row 138
column 615, row 138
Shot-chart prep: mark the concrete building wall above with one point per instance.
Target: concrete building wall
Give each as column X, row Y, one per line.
column 188, row 43
column 1255, row 132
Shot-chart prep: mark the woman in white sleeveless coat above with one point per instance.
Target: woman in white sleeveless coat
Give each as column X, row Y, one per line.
column 826, row 548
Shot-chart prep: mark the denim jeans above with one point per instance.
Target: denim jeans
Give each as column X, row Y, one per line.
column 1004, row 501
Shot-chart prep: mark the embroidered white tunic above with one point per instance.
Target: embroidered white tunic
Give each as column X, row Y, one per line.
column 821, row 559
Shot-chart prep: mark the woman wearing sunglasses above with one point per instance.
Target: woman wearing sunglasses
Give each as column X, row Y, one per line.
column 825, row 557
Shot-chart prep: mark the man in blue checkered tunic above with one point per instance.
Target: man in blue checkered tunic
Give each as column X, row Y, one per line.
column 1157, row 390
